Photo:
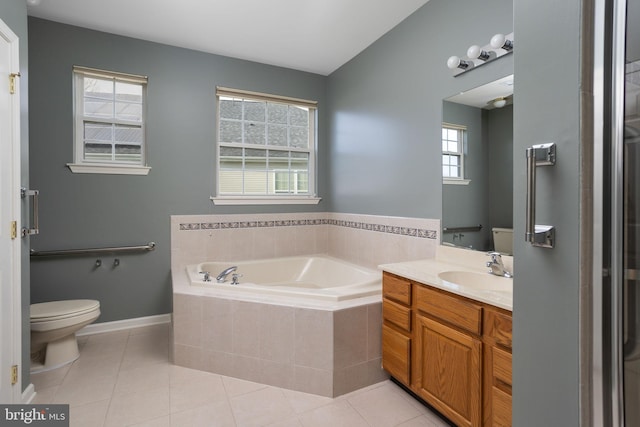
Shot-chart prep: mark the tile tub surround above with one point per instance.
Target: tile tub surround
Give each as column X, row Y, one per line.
column 366, row 240
column 318, row 351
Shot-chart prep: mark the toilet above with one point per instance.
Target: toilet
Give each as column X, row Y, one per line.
column 503, row 240
column 53, row 331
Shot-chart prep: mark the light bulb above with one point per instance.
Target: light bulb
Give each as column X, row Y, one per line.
column 499, row 41
column 34, row 2
column 476, row 52
column 454, row 62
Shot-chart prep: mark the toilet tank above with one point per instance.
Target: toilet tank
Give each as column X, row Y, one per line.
column 503, row 240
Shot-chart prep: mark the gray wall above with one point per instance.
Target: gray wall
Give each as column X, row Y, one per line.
column 499, row 125
column 82, row 210
column 546, row 380
column 386, row 107
column 14, row 14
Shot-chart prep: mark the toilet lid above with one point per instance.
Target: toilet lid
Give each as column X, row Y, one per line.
column 57, row 309
column 503, row 230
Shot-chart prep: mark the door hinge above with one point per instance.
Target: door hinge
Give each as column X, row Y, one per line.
column 12, row 82
column 14, row 374
column 14, row 230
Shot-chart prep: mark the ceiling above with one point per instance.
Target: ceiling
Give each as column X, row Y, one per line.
column 481, row 96
column 317, row 36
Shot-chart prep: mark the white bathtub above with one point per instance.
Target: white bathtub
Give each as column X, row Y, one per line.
column 316, row 277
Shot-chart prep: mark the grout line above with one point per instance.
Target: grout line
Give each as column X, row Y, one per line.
column 106, row 415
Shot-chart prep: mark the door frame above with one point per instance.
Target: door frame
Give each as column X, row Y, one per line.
column 12, row 351
column 605, row 398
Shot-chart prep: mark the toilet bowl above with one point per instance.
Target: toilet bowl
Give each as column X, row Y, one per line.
column 53, row 331
column 503, row 240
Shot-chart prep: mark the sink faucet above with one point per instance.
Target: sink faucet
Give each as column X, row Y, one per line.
column 223, row 275
column 496, row 265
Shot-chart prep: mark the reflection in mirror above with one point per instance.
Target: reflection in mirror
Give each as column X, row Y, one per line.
column 477, row 168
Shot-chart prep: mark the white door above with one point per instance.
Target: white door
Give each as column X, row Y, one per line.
column 10, row 309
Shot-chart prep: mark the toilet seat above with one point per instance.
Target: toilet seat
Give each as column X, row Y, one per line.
column 59, row 310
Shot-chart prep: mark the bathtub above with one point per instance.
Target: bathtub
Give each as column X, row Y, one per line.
column 306, row 323
column 317, row 277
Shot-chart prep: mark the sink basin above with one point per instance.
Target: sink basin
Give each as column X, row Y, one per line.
column 480, row 281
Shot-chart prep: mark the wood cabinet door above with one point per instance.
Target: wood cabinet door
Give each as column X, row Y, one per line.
column 448, row 371
column 396, row 353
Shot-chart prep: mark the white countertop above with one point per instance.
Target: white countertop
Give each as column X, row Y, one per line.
column 455, row 259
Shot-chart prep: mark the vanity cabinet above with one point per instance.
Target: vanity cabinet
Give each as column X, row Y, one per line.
column 451, row 351
column 498, row 368
column 396, row 328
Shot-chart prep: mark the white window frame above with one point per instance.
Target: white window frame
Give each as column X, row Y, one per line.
column 80, row 164
column 293, row 173
column 462, row 131
column 276, row 198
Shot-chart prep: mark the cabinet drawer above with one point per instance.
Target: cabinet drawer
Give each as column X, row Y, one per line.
column 397, row 314
column 501, row 408
column 499, row 327
column 453, row 310
column 502, row 365
column 396, row 289
column 396, row 353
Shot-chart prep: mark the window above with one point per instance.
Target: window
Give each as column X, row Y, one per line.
column 453, row 137
column 266, row 149
column 109, row 111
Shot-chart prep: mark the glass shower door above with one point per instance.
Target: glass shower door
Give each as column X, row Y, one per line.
column 631, row 246
column 631, row 220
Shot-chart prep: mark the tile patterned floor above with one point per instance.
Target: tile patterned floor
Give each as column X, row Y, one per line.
column 125, row 379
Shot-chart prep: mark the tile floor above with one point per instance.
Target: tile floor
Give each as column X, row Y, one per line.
column 125, row 379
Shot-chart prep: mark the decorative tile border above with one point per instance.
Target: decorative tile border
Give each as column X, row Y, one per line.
column 390, row 229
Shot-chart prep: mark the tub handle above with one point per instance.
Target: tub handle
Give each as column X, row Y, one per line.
column 234, row 278
column 207, row 277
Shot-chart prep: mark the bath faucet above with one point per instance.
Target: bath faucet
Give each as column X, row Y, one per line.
column 223, row 275
column 496, row 265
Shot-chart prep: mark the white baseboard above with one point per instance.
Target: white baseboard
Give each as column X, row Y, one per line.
column 119, row 325
column 28, row 394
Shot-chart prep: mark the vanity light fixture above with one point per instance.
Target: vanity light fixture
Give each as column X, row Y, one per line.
column 500, row 45
column 454, row 62
column 499, row 41
column 476, row 52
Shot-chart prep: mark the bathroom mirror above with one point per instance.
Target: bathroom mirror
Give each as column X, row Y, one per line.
column 477, row 188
